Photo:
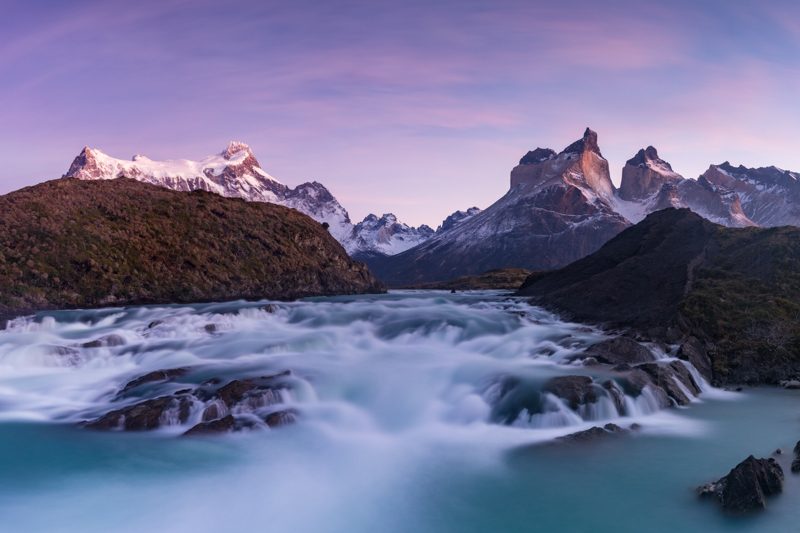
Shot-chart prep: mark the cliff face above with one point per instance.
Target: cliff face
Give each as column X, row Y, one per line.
column 69, row 243
column 678, row 278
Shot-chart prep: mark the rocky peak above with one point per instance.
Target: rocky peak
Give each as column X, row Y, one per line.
column 537, row 156
column 645, row 174
column 456, row 218
column 645, row 155
column 588, row 143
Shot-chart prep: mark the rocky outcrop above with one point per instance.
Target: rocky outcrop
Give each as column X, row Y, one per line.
column 619, row 351
column 645, row 174
column 456, row 218
column 558, row 209
column 69, row 243
column 746, row 487
column 210, row 408
column 728, row 296
column 574, row 390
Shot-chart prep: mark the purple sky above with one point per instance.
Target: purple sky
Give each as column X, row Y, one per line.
column 418, row 108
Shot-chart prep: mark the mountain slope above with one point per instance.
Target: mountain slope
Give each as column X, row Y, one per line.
column 558, row 209
column 70, row 243
column 676, row 276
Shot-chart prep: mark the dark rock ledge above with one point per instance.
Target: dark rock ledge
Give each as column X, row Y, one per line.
column 210, row 408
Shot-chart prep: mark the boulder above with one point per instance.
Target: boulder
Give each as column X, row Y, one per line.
column 747, row 485
column 146, row 415
column 666, row 377
column 618, row 351
column 151, row 377
column 574, row 390
column 107, row 340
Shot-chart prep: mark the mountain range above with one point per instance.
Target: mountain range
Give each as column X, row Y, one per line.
column 235, row 172
column 560, row 206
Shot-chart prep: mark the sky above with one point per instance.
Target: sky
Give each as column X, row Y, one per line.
column 416, row 107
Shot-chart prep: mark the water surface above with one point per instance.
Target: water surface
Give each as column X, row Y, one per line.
column 397, row 429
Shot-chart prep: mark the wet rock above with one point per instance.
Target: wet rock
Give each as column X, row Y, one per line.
column 221, row 425
column 616, row 393
column 592, row 434
column 590, row 361
column 269, row 308
column 620, row 350
column 210, row 328
column 695, row 352
column 241, row 399
column 281, row 418
column 146, row 415
column 106, row 341
column 796, row 461
column 668, row 376
column 792, row 384
column 747, row 486
column 66, row 354
column 153, row 377
column 574, row 390
column 154, row 323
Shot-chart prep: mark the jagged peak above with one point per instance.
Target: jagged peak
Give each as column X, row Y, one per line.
column 588, row 143
column 235, row 147
column 645, row 155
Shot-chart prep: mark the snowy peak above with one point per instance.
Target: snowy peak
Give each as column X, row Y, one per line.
column 385, row 236
column 235, row 148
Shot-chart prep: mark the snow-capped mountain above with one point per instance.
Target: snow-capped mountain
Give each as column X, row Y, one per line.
column 235, row 172
column 769, row 196
column 559, row 208
column 649, row 184
column 385, row 236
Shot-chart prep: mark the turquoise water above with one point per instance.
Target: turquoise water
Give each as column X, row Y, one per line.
column 395, row 432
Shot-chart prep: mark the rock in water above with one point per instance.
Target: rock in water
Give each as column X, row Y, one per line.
column 620, row 350
column 69, row 243
column 747, row 486
column 796, row 460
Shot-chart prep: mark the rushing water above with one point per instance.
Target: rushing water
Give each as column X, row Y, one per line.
column 398, row 427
